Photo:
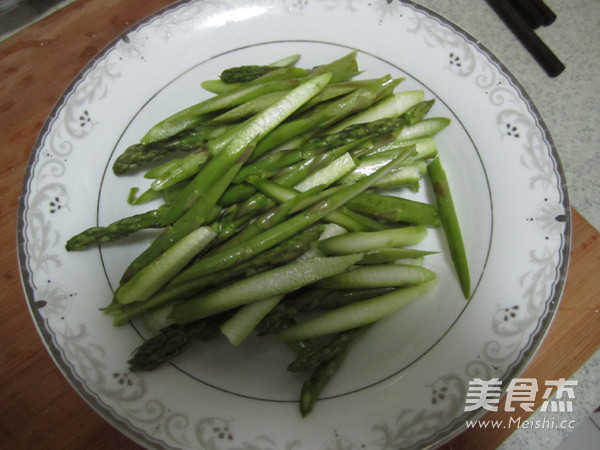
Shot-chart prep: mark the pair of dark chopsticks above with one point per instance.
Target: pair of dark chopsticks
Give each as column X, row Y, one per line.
column 523, row 17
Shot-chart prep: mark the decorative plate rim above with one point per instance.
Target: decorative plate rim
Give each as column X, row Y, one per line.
column 455, row 426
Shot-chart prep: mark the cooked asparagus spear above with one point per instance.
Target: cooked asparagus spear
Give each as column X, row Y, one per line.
column 116, row 230
column 314, row 356
column 242, row 74
column 171, row 342
column 276, row 281
column 312, row 299
column 283, row 253
column 283, row 79
column 273, row 236
column 325, row 114
column 450, row 224
column 395, row 209
column 188, row 212
column 356, row 314
column 140, row 154
column 312, row 388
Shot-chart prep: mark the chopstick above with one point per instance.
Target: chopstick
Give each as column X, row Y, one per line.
column 548, row 15
column 514, row 17
column 530, row 12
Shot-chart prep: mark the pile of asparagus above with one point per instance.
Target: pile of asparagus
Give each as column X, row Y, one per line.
column 271, row 206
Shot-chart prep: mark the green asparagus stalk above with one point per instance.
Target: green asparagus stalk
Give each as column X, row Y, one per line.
column 315, row 355
column 273, row 236
column 177, row 170
column 354, row 221
column 186, row 168
column 409, row 175
column 116, row 230
column 201, row 213
column 171, row 342
column 355, row 315
column 334, row 90
column 312, row 388
column 151, row 278
column 392, row 105
column 293, row 175
column 245, row 320
column 286, row 61
column 281, row 254
column 256, row 105
column 391, row 255
column 376, row 276
column 424, row 128
column 243, row 74
column 322, row 116
column 277, row 281
column 236, row 194
column 343, row 69
column 372, row 240
column 303, row 200
column 147, row 196
column 450, row 224
column 369, row 164
column 195, row 203
column 312, row 299
column 326, row 176
column 218, row 86
column 227, row 226
column 139, row 155
column 381, row 127
column 282, row 79
column 308, row 162
column 278, row 214
column 343, row 217
column 329, row 174
column 269, row 165
column 345, row 64
column 237, row 150
column 425, row 147
column 395, row 209
column 248, row 108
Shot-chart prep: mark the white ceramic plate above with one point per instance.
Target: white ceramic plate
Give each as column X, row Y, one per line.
column 404, row 384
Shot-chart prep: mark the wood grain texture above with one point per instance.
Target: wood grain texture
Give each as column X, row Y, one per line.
column 39, row 409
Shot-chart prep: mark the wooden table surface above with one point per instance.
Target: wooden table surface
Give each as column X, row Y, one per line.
column 38, row 407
